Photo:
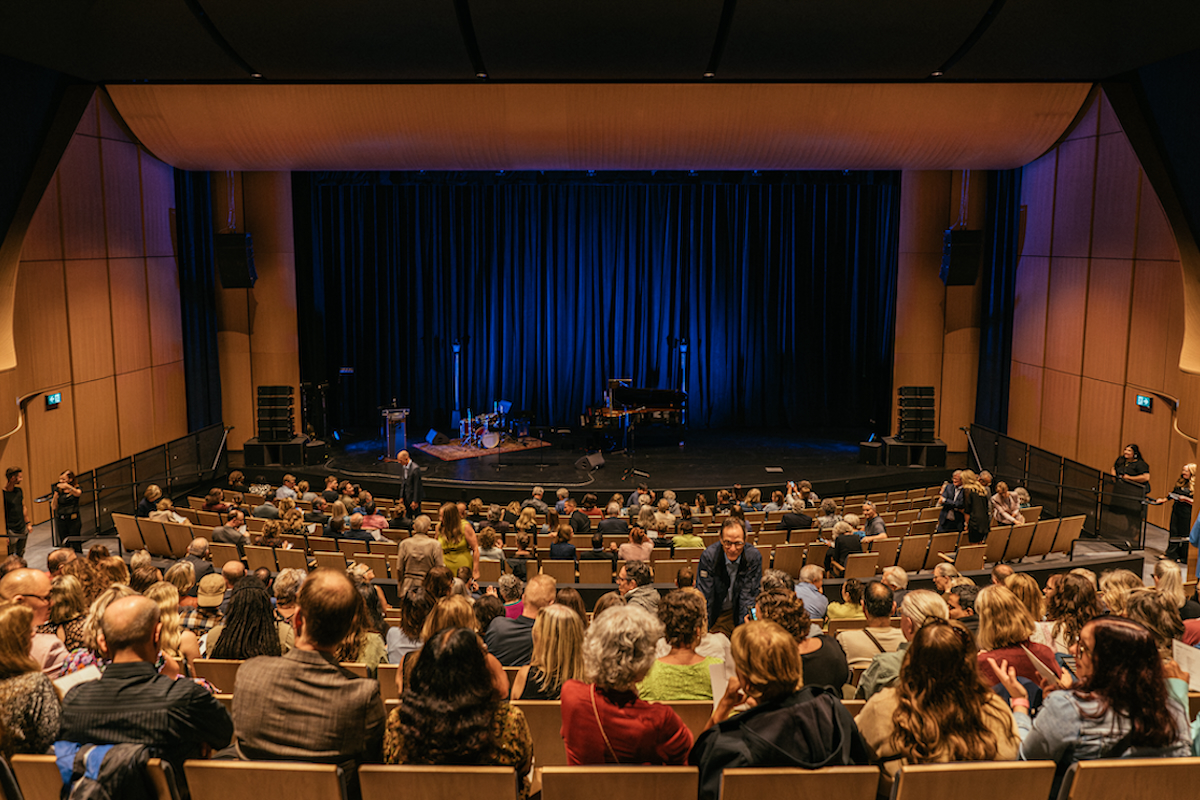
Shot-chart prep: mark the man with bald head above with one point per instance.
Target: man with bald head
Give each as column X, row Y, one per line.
column 304, row 706
column 58, row 559
column 132, row 703
column 410, row 484
column 31, row 588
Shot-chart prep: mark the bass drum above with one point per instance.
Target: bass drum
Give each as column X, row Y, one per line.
column 489, row 440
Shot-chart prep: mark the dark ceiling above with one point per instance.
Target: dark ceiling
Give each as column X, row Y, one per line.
column 110, row 41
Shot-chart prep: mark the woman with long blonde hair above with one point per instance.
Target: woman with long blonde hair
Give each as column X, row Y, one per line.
column 460, row 546
column 1168, row 579
column 175, row 641
column 976, row 507
column 557, row 655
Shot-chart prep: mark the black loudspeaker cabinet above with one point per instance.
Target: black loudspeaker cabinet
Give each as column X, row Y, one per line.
column 259, row 453
column 916, row 414
column 234, row 253
column 591, row 461
column 436, row 437
column 962, row 255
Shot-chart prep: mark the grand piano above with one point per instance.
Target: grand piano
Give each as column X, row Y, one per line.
column 633, row 410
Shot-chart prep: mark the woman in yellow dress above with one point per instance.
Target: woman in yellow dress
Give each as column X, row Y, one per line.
column 460, row 547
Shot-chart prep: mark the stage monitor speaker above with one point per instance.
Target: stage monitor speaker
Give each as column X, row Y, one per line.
column 590, row 462
column 962, row 253
column 433, row 437
column 234, row 254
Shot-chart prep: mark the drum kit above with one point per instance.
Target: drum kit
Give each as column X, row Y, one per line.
column 486, row 431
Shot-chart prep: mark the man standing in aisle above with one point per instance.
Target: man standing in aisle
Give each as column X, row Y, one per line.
column 16, row 516
column 729, row 575
column 410, row 484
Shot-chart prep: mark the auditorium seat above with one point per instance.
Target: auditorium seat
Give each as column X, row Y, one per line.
column 668, row 570
column 756, row 783
column 220, row 672
column 220, row 554
column 996, row 543
column 264, row 780
column 940, row 543
column 595, row 571
column 128, row 533
column 1069, row 529
column 1018, row 541
column 861, row 565
column 387, row 681
column 887, row 549
column 923, row 527
column 291, row 559
column 1121, row 778
column 208, row 518
column 1043, row 537
column 489, row 571
column 562, row 571
column 327, row 560
column 390, row 781
column 379, row 564
column 155, row 537
column 694, row 713
column 790, row 558
column 970, row 557
column 609, row 782
column 196, row 503
column 1032, row 514
column 39, row 778
column 815, row 554
column 544, row 718
column 912, row 552
column 258, row 557
column 987, row 780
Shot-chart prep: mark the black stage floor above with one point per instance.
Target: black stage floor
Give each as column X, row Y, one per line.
column 703, row 461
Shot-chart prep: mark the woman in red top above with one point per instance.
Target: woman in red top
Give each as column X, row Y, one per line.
column 1005, row 626
column 604, row 722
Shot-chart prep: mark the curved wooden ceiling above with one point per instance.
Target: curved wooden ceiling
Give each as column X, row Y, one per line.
column 598, row 126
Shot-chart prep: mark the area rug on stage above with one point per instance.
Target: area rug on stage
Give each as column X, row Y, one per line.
column 455, row 451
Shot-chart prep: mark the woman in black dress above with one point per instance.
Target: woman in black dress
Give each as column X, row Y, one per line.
column 1181, row 513
column 976, row 508
column 1131, row 467
column 64, row 504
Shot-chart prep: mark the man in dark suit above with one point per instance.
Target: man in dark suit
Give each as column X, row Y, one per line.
column 304, row 706
column 411, row 491
column 233, row 531
column 581, row 524
column 317, row 513
column 794, row 521
column 612, row 524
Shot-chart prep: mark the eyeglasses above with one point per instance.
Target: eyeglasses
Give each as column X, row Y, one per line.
column 45, row 598
column 733, row 545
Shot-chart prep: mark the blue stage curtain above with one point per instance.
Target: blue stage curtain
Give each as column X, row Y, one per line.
column 1000, row 255
column 783, row 289
column 197, row 298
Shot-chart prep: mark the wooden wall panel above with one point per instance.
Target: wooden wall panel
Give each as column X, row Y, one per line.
column 1118, row 175
column 1065, row 314
column 274, row 323
column 1152, row 433
column 1155, row 292
column 1073, row 192
column 1029, row 310
column 82, row 200
column 1154, row 237
column 1099, row 421
column 130, row 320
column 158, row 205
column 170, row 402
column 135, row 411
column 1175, row 381
column 1037, row 195
column 1107, row 332
column 40, row 322
column 122, row 199
column 97, row 430
column 51, row 442
column 90, row 319
column 1060, row 412
column 166, row 326
column 14, row 446
column 43, row 240
column 275, row 369
column 1025, row 402
column 237, row 394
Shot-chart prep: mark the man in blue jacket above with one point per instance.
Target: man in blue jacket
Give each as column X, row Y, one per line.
column 729, row 575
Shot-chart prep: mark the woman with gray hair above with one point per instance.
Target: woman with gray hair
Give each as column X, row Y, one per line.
column 287, row 589
column 604, row 721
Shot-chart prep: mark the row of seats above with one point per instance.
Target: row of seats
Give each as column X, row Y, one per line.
column 1113, row 779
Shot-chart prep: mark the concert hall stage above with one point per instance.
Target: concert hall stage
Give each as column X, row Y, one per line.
column 690, row 462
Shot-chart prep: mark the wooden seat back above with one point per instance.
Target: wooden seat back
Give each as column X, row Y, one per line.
column 940, row 543
column 266, row 780
column 970, row 557
column 888, row 550
column 607, row 782
column 40, row 779
column 694, row 713
column 595, row 571
column 989, row 780
column 220, row 672
column 258, row 557
column 390, row 781
column 128, row 533
column 1019, row 541
column 544, row 718
column 155, row 537
column 912, row 552
column 561, row 571
column 756, row 783
column 1043, row 537
column 1110, row 779
column 220, row 554
column 861, row 565
column 291, row 559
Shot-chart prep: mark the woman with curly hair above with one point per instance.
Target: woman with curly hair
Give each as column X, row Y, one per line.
column 1115, row 586
column 270, row 536
column 29, row 707
column 460, row 547
column 1155, row 612
column 604, row 720
column 449, row 712
column 557, row 655
column 939, row 709
column 682, row 674
column 1123, row 704
column 249, row 628
column 68, row 611
column 1073, row 604
column 822, row 656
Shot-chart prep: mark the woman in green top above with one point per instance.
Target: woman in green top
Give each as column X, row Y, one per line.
column 460, row 546
column 682, row 674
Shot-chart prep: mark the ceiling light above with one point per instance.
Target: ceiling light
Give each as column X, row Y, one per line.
column 709, row 75
column 937, row 73
column 481, row 75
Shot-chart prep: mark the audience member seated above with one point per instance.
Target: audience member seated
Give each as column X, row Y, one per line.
column 31, row 588
column 557, row 655
column 365, row 644
column 29, row 706
column 286, row 589
column 1169, row 580
column 197, row 556
column 233, row 531
column 681, row 674
column 635, row 582
column 1126, row 703
column 873, row 525
column 1071, row 603
column 164, row 511
column 897, row 579
column 961, row 599
column 846, row 542
column 604, row 720
column 511, row 640
column 791, row 723
column 829, row 514
column 215, row 501
column 638, row 548
column 266, row 510
column 178, row 645
column 68, row 611
column 612, row 524
column 919, row 607
column 562, row 549
column 450, row 713
column 149, row 501
column 534, row 500
column 405, row 638
column 599, row 551
column 1156, row 613
column 686, row 538
column 571, row 598
column 490, row 546
column 812, row 577
column 1005, row 628
column 823, row 659
column 1115, row 587
column 939, row 709
column 943, row 573
column 249, row 629
column 1006, row 508
column 304, row 706
column 132, row 703
column 878, row 636
column 851, row 605
column 605, row 602
column 580, row 522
